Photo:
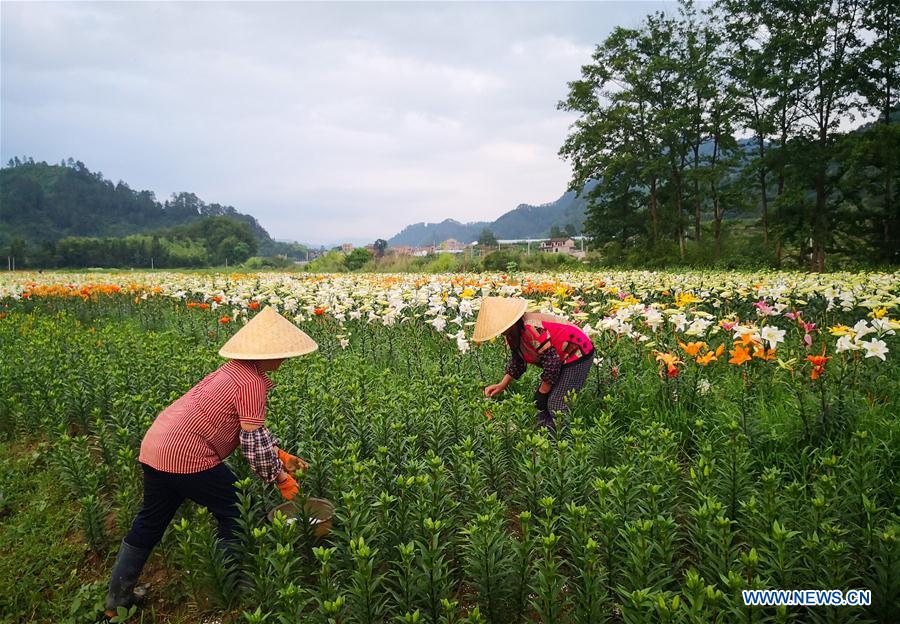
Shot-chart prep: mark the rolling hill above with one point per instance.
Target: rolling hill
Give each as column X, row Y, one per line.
column 44, row 203
column 524, row 221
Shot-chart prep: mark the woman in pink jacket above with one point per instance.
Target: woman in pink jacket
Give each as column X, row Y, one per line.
column 560, row 348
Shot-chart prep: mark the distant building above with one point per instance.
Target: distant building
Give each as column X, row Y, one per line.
column 402, row 250
column 347, row 247
column 451, row 244
column 559, row 245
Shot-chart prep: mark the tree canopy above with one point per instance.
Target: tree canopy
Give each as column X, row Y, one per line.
column 740, row 111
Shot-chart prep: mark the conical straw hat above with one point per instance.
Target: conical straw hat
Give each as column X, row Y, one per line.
column 497, row 314
column 268, row 336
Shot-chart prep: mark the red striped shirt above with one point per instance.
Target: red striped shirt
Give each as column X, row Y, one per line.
column 202, row 428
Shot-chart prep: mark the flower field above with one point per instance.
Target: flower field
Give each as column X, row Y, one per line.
column 737, row 431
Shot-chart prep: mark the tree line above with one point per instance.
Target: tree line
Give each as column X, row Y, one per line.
column 213, row 241
column 777, row 114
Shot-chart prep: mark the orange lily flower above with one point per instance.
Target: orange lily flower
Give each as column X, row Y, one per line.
column 670, row 360
column 818, row 362
column 739, row 355
column 692, row 348
column 761, row 353
column 711, row 356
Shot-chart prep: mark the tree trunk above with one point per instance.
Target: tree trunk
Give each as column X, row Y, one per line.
column 782, row 146
column 820, row 223
column 718, row 218
column 654, row 211
column 679, row 214
column 696, row 149
column 764, row 193
column 714, row 191
column 891, row 214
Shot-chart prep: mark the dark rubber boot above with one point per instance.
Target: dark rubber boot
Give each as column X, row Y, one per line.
column 545, row 419
column 125, row 573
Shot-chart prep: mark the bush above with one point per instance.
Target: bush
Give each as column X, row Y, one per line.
column 332, row 262
column 497, row 260
column 260, row 262
column 357, row 258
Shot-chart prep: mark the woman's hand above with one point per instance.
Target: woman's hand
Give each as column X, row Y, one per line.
column 292, row 463
column 287, row 485
column 494, row 390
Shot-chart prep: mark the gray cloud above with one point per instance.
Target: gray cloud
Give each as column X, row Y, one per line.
column 325, row 121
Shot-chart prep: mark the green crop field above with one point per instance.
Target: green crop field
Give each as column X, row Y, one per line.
column 737, row 431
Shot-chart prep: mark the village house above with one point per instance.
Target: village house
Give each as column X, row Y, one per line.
column 347, row 247
column 559, row 245
column 401, row 250
column 451, row 244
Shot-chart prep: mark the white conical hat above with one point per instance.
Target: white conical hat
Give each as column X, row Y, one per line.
column 268, row 336
column 497, row 314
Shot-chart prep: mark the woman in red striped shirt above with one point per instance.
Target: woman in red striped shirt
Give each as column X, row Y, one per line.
column 183, row 451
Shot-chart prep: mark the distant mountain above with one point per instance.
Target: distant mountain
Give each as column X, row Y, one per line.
column 43, row 203
column 524, row 221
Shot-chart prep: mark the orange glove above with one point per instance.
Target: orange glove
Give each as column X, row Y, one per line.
column 288, row 487
column 292, row 463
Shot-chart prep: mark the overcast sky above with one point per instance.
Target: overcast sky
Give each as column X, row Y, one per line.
column 327, row 122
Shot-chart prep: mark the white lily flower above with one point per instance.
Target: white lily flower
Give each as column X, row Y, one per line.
column 846, row 343
column 698, row 327
column 679, row 321
column 875, row 348
column 438, row 322
column 703, row 387
column 772, row 335
column 654, row 319
column 862, row 328
column 882, row 327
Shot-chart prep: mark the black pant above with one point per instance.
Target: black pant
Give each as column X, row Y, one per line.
column 165, row 491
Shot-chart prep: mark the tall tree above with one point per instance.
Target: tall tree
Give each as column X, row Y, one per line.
column 487, row 239
column 616, row 139
column 699, row 40
column 746, row 51
column 877, row 70
column 825, row 34
column 674, row 102
column 723, row 157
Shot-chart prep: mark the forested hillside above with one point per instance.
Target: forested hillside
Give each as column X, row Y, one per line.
column 43, row 202
column 67, row 215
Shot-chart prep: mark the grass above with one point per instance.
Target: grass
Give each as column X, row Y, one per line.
column 41, row 565
column 47, row 572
